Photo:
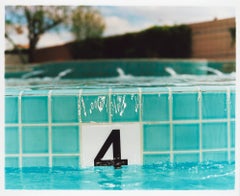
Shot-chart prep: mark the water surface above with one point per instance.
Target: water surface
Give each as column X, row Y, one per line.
column 162, row 176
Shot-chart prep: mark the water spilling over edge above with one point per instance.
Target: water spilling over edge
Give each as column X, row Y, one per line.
column 122, row 80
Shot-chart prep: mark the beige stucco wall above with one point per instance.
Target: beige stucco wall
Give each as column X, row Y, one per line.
column 212, row 40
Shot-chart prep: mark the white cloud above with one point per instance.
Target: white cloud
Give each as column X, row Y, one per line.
column 46, row 40
column 167, row 15
column 116, row 25
column 17, row 39
column 20, row 39
column 54, row 38
column 123, row 19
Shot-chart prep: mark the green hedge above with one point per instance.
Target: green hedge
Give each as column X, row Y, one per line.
column 155, row 42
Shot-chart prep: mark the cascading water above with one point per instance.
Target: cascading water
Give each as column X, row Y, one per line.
column 123, row 79
column 63, row 73
column 122, row 75
column 32, row 74
column 171, row 71
column 212, row 70
column 149, row 110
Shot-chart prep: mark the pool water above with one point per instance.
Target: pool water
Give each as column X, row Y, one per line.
column 125, row 81
column 161, row 176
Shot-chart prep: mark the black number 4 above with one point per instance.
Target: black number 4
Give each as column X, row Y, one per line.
column 117, row 162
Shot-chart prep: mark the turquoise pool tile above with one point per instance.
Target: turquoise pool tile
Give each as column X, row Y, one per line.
column 232, row 128
column 11, row 162
column 94, row 108
column 12, row 92
column 184, row 89
column 147, row 90
column 33, row 92
column 185, row 106
column 11, row 140
column 35, row 139
column 65, row 161
column 65, row 91
column 125, row 90
column 125, row 107
column 35, row 109
column 214, row 135
column 11, row 109
column 232, row 104
column 190, row 157
column 99, row 91
column 155, row 107
column 213, row 88
column 155, row 158
column 64, row 109
column 35, row 162
column 215, row 156
column 214, row 105
column 65, row 139
column 232, row 156
column 186, row 136
column 156, row 137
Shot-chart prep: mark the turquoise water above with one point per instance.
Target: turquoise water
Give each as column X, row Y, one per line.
column 162, row 176
column 123, row 81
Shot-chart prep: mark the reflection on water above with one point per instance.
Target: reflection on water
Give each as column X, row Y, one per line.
column 121, row 82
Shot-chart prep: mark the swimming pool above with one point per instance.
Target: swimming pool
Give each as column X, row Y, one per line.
column 162, row 176
column 179, row 127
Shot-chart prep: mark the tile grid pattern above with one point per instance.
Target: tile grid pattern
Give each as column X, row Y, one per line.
column 50, row 128
column 141, row 122
column 170, row 123
column 200, row 123
column 228, row 120
column 20, row 127
column 79, row 125
column 141, row 95
column 228, row 124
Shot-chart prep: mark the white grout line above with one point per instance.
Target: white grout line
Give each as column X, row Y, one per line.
column 228, row 100
column 43, row 155
column 170, row 123
column 174, row 152
column 188, row 151
column 175, row 90
column 200, row 123
column 216, row 149
column 141, row 124
column 20, row 127
column 145, row 152
column 79, row 126
column 202, row 120
column 144, row 122
column 79, row 106
column 156, row 152
column 140, row 104
column 50, row 127
column 80, row 144
column 42, row 124
column 110, row 105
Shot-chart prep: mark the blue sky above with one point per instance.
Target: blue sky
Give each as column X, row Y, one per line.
column 140, row 17
column 123, row 19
